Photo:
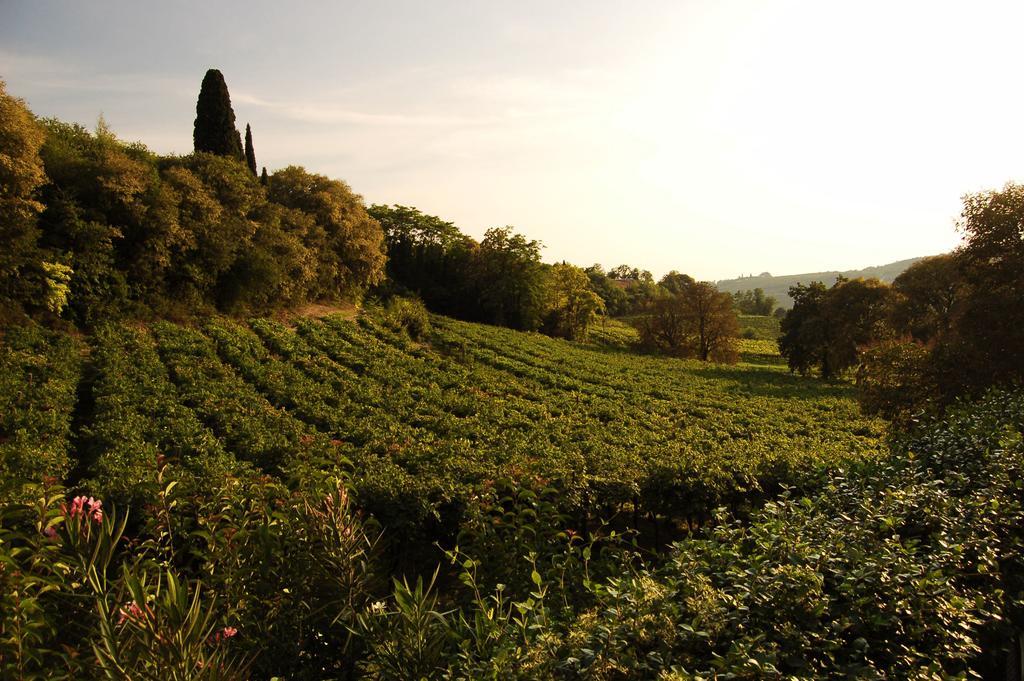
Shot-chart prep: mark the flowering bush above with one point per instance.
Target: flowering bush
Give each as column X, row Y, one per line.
column 83, row 510
column 76, row 602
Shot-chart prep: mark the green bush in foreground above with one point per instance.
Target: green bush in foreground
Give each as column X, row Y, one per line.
column 908, row 567
column 903, row 567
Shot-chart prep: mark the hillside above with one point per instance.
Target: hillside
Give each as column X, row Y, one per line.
column 255, row 426
column 295, row 470
column 778, row 286
column 426, row 424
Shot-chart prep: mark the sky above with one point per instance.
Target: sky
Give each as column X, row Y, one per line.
column 713, row 137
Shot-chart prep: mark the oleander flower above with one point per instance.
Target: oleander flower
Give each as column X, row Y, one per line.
column 85, row 507
column 223, row 635
column 132, row 612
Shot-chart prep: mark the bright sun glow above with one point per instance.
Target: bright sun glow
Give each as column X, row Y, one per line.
column 710, row 137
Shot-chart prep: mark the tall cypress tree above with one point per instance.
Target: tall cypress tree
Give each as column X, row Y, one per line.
column 215, row 120
column 250, row 154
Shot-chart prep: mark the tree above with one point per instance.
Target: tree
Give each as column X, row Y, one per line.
column 894, row 380
column 630, row 273
column 264, row 179
column 107, row 217
column 637, row 285
column 805, row 334
column 407, row 228
column 271, row 269
column 428, row 256
column 699, row 321
column 97, row 289
column 250, row 153
column 984, row 345
column 857, row 312
column 615, row 299
column 21, row 175
column 572, row 305
column 675, row 282
column 754, row 302
column 664, row 326
column 928, row 294
column 509, row 278
column 828, row 328
column 215, row 131
column 349, row 243
column 712, row 321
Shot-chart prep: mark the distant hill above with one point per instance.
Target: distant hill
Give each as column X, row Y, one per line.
column 779, row 286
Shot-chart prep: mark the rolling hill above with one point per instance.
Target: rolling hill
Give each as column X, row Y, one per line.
column 778, row 286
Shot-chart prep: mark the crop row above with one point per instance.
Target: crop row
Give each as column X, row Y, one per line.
column 426, row 428
column 138, row 416
column 330, row 400
column 619, row 429
column 249, row 426
column 39, row 373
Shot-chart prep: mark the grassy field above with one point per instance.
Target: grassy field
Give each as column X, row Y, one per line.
column 620, row 333
column 759, row 327
column 759, row 348
column 612, row 333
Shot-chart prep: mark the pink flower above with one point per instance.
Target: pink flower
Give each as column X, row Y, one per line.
column 50, row 532
column 76, row 507
column 95, row 510
column 85, row 507
column 223, row 634
column 130, row 612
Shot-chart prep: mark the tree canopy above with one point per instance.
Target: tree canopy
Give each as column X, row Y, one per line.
column 96, row 229
column 572, row 305
column 21, row 176
column 215, row 131
column 828, row 327
column 698, row 321
column 754, row 302
column 507, row 272
column 928, row 294
column 985, row 338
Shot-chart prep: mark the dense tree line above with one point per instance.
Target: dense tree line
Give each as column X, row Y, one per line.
column 755, row 302
column 626, row 291
column 827, row 327
column 21, row 176
column 501, row 280
column 96, row 228
column 100, row 229
column 948, row 326
column 498, row 280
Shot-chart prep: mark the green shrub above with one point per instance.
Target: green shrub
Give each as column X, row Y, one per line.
column 408, row 315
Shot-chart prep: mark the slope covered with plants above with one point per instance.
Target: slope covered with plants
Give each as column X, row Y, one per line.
column 235, row 499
